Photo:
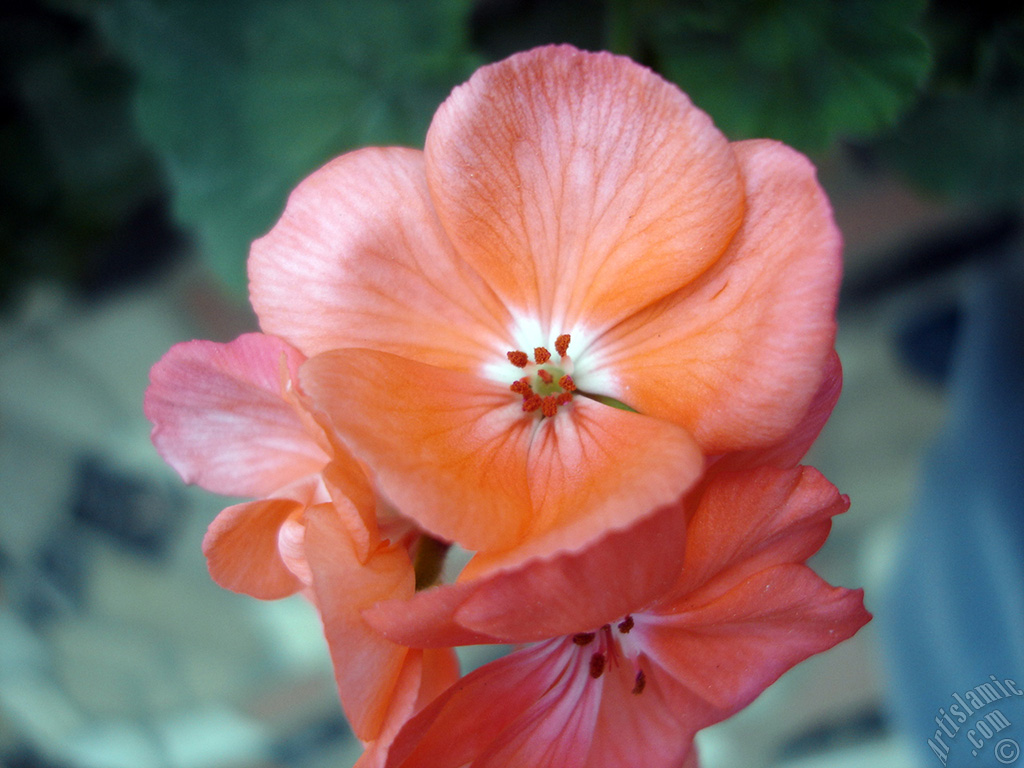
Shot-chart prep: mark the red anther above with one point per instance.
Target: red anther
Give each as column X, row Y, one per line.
column 597, row 665
column 562, row 398
column 522, row 387
column 546, row 377
column 567, row 383
column 518, row 359
column 532, row 402
column 562, row 344
column 583, row 638
column 626, row 624
column 549, row 405
column 641, row 682
column 541, row 355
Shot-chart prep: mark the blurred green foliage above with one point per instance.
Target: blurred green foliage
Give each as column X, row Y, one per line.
column 219, row 108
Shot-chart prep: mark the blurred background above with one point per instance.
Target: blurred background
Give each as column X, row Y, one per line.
column 145, row 143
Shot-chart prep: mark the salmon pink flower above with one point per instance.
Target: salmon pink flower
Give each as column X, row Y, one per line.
column 644, row 637
column 632, row 651
column 576, row 236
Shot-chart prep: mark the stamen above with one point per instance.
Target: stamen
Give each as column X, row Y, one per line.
column 626, row 624
column 549, row 405
column 562, row 398
column 532, row 402
column 518, row 359
column 546, row 376
column 522, row 387
column 641, row 682
column 562, row 344
column 583, row 638
column 541, row 355
column 567, row 383
column 597, row 665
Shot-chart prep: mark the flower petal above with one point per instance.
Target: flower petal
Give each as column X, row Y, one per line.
column 358, row 259
column 221, row 417
column 639, row 729
column 546, row 597
column 748, row 521
column 723, row 654
column 424, row 676
column 457, row 454
column 493, row 708
column 241, row 548
column 788, row 452
column 737, row 356
column 581, row 186
column 367, row 667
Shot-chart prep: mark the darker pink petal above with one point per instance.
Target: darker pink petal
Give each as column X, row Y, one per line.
column 713, row 659
column 222, row 419
column 546, row 597
column 498, row 713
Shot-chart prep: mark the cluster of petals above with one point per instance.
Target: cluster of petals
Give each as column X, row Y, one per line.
column 639, row 640
column 587, row 339
column 229, row 418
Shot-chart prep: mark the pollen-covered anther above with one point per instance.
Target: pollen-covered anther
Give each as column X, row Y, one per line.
column 522, row 387
column 626, row 624
column 547, row 385
column 640, row 684
column 518, row 359
column 562, row 344
column 532, row 402
column 583, row 638
column 597, row 662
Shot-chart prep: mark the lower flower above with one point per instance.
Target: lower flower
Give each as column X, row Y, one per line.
column 708, row 631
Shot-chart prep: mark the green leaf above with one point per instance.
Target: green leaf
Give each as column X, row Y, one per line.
column 802, row 71
column 243, row 98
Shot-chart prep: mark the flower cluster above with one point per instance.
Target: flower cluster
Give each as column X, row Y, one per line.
column 580, row 336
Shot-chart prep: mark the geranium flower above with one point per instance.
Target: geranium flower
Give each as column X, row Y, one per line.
column 632, row 651
column 229, row 418
column 644, row 637
column 576, row 236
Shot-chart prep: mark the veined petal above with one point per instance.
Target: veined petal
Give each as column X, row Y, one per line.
column 222, row 419
column 241, row 548
column 358, row 259
column 737, row 356
column 639, row 729
column 367, row 667
column 580, row 185
column 467, row 720
column 723, row 654
column 456, row 454
column 447, row 448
